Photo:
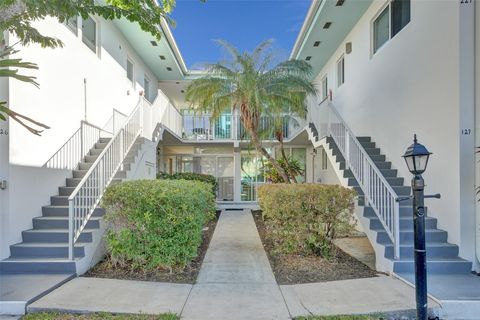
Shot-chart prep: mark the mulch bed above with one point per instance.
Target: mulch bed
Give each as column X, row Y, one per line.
column 104, row 268
column 295, row 269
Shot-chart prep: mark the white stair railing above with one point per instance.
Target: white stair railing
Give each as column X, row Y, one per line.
column 77, row 146
column 87, row 195
column 377, row 191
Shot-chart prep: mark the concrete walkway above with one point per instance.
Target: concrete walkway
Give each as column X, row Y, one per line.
column 235, row 282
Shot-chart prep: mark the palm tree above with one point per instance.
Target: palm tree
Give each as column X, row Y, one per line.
column 247, row 84
column 10, row 68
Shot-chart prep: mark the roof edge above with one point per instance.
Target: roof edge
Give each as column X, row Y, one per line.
column 307, row 24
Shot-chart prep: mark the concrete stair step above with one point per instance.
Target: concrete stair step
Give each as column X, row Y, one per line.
column 383, row 164
column 364, row 139
column 62, row 211
column 393, row 181
column 61, row 223
column 79, row 173
column 84, row 165
column 104, row 140
column 37, row 266
column 54, row 235
column 95, row 152
column 65, row 191
column 434, row 250
column 405, row 223
column 59, row 200
column 435, row 265
column 44, row 250
column 368, row 144
column 73, row 182
column 406, row 236
column 372, row 151
column 100, row 145
column 90, row 159
column 405, row 212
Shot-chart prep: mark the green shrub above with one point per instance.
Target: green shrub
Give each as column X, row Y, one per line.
column 208, row 178
column 156, row 223
column 291, row 166
column 306, row 218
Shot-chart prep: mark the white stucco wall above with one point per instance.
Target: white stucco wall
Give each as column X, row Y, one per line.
column 477, row 119
column 4, row 167
column 60, row 101
column 29, row 188
column 411, row 85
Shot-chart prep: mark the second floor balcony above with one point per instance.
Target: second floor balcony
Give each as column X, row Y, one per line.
column 202, row 127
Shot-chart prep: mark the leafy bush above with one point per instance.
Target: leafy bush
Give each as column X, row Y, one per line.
column 208, row 178
column 291, row 166
column 156, row 223
column 306, row 218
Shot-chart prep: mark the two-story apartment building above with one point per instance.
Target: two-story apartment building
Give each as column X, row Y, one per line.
column 385, row 69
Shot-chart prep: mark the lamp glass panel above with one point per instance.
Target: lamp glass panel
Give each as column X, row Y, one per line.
column 410, row 165
column 421, row 163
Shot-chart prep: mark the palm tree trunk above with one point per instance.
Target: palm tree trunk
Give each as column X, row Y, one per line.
column 260, row 149
column 291, row 176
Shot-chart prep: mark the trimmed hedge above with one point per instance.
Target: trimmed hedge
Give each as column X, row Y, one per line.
column 156, row 223
column 207, row 178
column 306, row 218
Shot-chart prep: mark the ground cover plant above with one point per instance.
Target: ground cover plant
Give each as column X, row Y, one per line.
column 97, row 316
column 155, row 228
column 298, row 224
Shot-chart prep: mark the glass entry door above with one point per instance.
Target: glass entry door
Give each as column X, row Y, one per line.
column 252, row 175
column 225, row 178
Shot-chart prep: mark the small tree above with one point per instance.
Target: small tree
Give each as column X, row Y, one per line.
column 247, row 84
column 17, row 16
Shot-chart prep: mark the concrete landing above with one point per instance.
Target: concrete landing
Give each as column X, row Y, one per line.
column 382, row 294
column 459, row 294
column 16, row 291
column 358, row 247
column 236, row 280
column 83, row 295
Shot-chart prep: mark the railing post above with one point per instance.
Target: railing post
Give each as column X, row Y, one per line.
column 81, row 139
column 347, row 149
column 70, row 229
column 396, row 230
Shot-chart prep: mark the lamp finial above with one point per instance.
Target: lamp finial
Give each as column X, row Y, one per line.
column 414, row 138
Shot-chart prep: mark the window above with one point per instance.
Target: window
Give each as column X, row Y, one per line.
column 324, row 159
column 89, row 33
column 130, row 72
column 341, row 71
column 381, row 29
column 400, row 15
column 324, row 88
column 146, row 87
column 72, row 24
column 393, row 18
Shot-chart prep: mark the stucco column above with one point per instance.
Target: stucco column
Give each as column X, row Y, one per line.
column 4, row 172
column 467, row 128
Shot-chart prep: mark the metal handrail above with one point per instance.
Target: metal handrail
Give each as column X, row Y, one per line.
column 87, row 195
column 76, row 147
column 377, row 191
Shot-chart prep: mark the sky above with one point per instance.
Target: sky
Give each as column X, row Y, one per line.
column 243, row 23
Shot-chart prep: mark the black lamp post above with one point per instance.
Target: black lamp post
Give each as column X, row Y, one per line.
column 416, row 158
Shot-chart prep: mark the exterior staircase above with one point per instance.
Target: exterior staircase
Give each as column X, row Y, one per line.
column 442, row 256
column 44, row 249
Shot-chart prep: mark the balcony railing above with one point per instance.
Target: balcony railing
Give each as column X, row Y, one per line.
column 229, row 127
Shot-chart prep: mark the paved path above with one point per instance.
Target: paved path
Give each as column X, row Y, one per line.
column 235, row 282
